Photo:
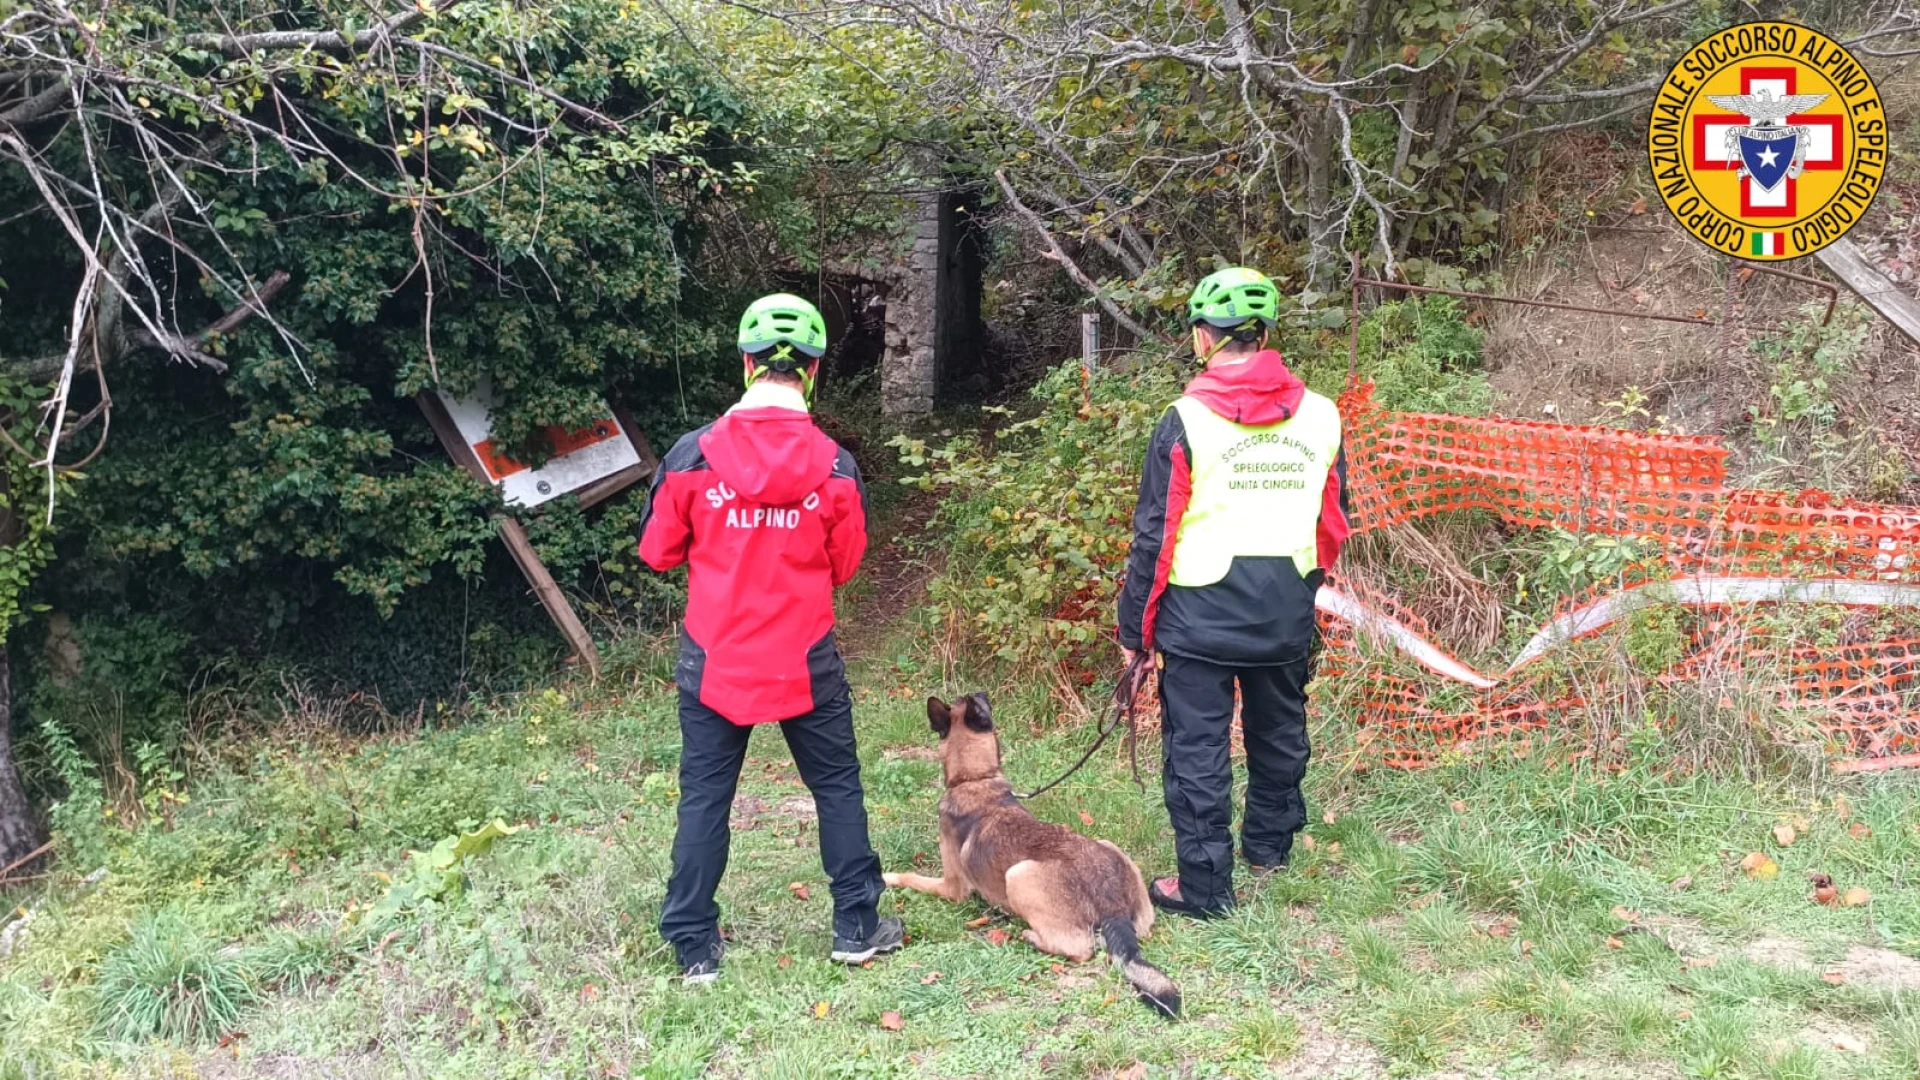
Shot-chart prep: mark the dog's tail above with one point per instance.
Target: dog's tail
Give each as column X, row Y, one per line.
column 1152, row 984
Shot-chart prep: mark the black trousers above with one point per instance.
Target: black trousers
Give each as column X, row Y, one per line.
column 712, row 750
column 1196, row 700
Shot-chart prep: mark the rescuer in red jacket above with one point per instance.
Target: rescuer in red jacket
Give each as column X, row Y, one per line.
column 768, row 514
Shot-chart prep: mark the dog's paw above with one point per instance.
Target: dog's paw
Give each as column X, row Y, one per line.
column 892, row 880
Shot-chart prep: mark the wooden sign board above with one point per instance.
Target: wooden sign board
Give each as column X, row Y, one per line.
column 600, row 461
column 581, row 458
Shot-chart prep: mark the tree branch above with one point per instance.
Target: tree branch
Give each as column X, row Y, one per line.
column 241, row 45
column 39, row 106
column 1641, row 87
column 1601, row 27
column 187, row 346
column 1060, row 256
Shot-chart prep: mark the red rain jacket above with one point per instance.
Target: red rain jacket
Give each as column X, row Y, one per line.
column 769, row 515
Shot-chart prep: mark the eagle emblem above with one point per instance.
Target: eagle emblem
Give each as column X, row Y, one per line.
column 1766, row 149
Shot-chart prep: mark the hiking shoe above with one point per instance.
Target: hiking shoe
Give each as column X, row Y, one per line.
column 1165, row 894
column 889, row 935
column 699, row 970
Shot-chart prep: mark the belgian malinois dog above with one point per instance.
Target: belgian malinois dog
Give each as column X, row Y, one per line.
column 1068, row 888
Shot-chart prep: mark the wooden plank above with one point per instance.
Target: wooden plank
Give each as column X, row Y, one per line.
column 549, row 593
column 443, row 428
column 608, row 486
column 1089, row 340
column 1873, row 286
column 565, row 619
column 637, row 437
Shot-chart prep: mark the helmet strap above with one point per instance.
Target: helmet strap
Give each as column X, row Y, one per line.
column 1207, row 352
column 784, row 354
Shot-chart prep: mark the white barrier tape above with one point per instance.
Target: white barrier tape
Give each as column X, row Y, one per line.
column 1360, row 616
column 1710, row 592
column 1688, row 592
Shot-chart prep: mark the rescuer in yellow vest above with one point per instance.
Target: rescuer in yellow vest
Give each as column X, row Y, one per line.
column 1242, row 510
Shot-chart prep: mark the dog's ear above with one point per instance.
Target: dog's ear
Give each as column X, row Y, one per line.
column 979, row 714
column 939, row 716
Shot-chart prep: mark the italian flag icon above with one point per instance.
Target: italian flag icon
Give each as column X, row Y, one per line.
column 1766, row 243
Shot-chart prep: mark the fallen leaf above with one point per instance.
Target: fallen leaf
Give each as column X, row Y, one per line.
column 1329, row 817
column 1057, row 969
column 1457, row 806
column 1501, row 929
column 1859, row 831
column 589, row 992
column 1702, row 961
column 798, row 890
column 1682, row 884
column 1308, row 842
column 1746, row 274
column 1641, row 297
column 930, row 978
column 1137, row 1070
column 1842, row 808
column 1683, row 1014
column 1852, row 1044
column 1625, row 914
column 1526, row 947
column 1638, row 206
column 1086, row 819
column 1726, row 702
column 979, row 922
column 1833, row 978
column 996, row 936
column 1760, row 867
column 821, row 1009
column 786, row 962
column 1333, row 848
column 1855, row 897
column 1615, row 943
column 1784, row 835
column 891, row 1020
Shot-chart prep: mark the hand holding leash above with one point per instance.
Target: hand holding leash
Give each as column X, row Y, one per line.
column 1133, row 679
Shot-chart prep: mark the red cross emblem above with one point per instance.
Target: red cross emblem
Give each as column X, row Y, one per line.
column 1827, row 150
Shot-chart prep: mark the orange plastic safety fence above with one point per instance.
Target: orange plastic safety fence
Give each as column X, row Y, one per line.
column 1670, row 494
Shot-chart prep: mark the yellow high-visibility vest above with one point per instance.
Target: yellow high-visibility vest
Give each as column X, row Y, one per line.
column 1256, row 491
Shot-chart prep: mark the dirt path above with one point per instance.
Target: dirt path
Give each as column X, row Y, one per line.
column 894, row 578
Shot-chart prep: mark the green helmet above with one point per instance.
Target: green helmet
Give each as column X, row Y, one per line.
column 783, row 319
column 1232, row 297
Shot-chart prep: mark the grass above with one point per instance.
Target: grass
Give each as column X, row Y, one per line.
column 1490, row 917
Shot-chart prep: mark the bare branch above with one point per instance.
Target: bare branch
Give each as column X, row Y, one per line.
column 1060, row 256
column 189, row 345
column 241, row 45
column 38, row 107
column 1602, row 26
column 1644, row 86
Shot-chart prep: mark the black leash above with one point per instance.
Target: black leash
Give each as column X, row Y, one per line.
column 1132, row 681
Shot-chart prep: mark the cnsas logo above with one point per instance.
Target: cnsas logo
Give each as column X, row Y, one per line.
column 1768, row 141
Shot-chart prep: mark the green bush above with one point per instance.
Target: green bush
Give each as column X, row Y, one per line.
column 170, row 982
column 1036, row 521
column 1037, row 525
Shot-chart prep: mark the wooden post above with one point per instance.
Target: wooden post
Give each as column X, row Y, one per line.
column 515, row 535
column 551, row 598
column 1090, row 341
column 1864, row 278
